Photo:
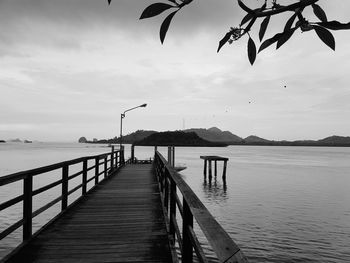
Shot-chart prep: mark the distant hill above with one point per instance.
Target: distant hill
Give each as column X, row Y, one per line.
column 128, row 139
column 335, row 141
column 214, row 134
column 136, row 136
column 255, row 139
column 177, row 138
column 14, row 140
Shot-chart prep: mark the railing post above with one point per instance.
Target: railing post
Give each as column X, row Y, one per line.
column 117, row 159
column 122, row 160
column 27, row 206
column 85, row 164
column 105, row 166
column 97, row 165
column 169, row 156
column 172, row 207
column 187, row 247
column 112, row 158
column 166, row 191
column 132, row 153
column 64, row 187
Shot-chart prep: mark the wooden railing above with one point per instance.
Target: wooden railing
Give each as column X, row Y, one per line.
column 189, row 209
column 109, row 162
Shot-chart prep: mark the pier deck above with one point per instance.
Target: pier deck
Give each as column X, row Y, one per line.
column 122, row 220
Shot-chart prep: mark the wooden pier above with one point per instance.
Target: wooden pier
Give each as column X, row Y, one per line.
column 132, row 214
column 213, row 158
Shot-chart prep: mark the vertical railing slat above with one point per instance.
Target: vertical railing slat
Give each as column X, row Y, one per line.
column 64, row 187
column 84, row 179
column 27, row 206
column 172, row 207
column 112, row 159
column 187, row 247
column 105, row 167
column 97, row 166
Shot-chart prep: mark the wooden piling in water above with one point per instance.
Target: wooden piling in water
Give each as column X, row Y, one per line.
column 208, row 160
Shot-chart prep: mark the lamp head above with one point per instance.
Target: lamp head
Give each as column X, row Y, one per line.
column 143, row 105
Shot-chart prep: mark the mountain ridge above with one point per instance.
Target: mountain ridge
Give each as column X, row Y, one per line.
column 216, row 135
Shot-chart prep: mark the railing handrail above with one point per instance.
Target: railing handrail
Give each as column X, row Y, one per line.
column 114, row 158
column 10, row 178
column 224, row 247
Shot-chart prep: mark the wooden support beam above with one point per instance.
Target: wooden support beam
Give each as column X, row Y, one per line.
column 224, row 171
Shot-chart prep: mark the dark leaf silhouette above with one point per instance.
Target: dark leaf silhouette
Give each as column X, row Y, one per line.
column 109, row 2
column 286, row 35
column 290, row 22
column 318, row 11
column 251, row 51
column 244, row 7
column 263, row 27
column 224, row 40
column 326, row 36
column 165, row 26
column 246, row 18
column 335, row 25
column 251, row 13
column 154, row 10
column 270, row 41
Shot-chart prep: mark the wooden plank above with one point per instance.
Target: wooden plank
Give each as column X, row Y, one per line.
column 214, row 158
column 120, row 221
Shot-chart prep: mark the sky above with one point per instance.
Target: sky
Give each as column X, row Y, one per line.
column 69, row 68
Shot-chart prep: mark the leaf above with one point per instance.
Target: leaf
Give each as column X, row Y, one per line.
column 286, row 35
column 154, row 10
column 270, row 41
column 263, row 27
column 326, row 36
column 244, row 7
column 251, row 51
column 109, row 2
column 246, row 18
column 318, row 11
column 165, row 26
column 290, row 22
column 224, row 40
column 334, row 25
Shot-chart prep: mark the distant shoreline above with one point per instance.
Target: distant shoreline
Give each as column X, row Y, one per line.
column 213, row 136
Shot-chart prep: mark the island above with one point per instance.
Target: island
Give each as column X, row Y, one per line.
column 2, row 141
column 177, row 138
column 215, row 136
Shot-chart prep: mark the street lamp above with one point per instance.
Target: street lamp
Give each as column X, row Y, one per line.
column 122, row 116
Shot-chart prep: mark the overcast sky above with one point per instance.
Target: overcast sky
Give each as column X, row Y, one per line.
column 68, row 68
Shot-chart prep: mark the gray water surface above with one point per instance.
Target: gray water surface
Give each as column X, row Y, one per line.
column 279, row 204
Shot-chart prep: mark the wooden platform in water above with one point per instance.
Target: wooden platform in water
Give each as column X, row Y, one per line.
column 120, row 221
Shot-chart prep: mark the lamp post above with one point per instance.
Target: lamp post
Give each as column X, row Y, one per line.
column 122, row 116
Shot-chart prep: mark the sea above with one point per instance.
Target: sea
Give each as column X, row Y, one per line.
column 279, row 204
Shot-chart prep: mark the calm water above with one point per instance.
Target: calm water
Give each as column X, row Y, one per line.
column 280, row 204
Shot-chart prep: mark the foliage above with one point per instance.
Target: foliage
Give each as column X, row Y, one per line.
column 266, row 11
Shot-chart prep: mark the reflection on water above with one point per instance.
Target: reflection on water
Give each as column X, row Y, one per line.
column 214, row 190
